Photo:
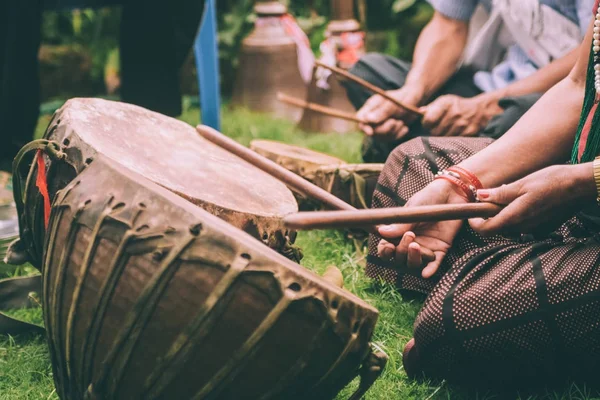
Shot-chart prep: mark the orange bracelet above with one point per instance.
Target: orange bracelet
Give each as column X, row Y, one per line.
column 468, row 193
column 467, row 176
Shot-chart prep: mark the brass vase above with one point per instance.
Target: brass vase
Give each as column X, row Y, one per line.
column 269, row 64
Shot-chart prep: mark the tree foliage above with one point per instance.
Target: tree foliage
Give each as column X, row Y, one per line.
column 392, row 27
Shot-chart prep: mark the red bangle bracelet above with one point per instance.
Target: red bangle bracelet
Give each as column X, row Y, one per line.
column 467, row 175
column 468, row 193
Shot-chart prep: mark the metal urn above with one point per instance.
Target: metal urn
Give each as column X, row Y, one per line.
column 343, row 46
column 269, row 64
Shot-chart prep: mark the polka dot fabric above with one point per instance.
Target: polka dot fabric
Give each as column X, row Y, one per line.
column 500, row 311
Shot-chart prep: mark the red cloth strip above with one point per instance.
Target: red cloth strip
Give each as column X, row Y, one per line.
column 42, row 184
column 585, row 132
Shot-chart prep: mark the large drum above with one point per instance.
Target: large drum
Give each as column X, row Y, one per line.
column 171, row 154
column 148, row 296
column 353, row 183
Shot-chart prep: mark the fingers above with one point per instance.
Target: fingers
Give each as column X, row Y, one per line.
column 366, row 129
column 502, row 195
column 470, row 130
column 514, row 219
column 402, row 248
column 407, row 253
column 377, row 110
column 391, row 128
column 414, row 257
column 393, row 231
column 435, row 112
column 369, row 106
column 402, row 132
column 385, row 249
column 433, row 266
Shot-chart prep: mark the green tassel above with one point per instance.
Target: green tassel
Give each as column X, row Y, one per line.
column 592, row 147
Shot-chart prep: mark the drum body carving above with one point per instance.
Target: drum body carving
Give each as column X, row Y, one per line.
column 148, row 296
column 353, row 183
column 171, row 154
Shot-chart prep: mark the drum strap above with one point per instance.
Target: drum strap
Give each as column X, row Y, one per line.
column 18, row 293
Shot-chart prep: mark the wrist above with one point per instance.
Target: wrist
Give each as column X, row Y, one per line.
column 490, row 97
column 415, row 92
column 586, row 181
column 455, row 195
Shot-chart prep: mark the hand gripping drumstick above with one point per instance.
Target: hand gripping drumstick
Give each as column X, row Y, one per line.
column 397, row 215
column 370, row 87
column 288, row 178
column 332, row 112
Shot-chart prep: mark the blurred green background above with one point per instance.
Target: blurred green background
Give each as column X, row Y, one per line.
column 79, row 54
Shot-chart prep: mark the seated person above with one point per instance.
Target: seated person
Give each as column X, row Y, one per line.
column 467, row 102
column 513, row 299
column 156, row 38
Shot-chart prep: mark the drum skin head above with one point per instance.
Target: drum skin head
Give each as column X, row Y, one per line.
column 170, row 153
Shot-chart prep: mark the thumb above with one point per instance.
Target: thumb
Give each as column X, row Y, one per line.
column 393, row 231
column 502, row 195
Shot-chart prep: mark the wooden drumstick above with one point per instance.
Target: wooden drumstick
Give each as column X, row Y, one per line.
column 334, row 276
column 397, row 215
column 370, row 87
column 332, row 112
column 290, row 179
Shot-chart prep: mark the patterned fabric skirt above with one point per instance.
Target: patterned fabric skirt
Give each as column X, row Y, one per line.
column 500, row 311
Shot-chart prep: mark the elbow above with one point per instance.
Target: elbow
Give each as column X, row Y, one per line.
column 449, row 28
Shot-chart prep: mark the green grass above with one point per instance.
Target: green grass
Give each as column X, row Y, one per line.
column 25, row 371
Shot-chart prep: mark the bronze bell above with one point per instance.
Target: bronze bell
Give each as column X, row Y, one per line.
column 343, row 22
column 269, row 64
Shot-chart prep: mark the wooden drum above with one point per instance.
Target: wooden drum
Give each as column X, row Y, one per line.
column 352, row 183
column 148, row 296
column 171, row 154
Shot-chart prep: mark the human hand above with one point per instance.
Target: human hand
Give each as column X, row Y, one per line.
column 540, row 202
column 384, row 119
column 420, row 239
column 458, row 116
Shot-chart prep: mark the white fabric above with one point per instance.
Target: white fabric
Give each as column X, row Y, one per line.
column 543, row 33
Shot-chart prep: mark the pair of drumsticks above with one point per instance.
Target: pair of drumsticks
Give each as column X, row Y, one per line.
column 332, row 112
column 346, row 216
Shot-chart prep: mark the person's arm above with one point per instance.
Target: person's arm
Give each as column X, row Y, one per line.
column 543, row 137
column 545, row 134
column 543, row 79
column 455, row 116
column 438, row 50
column 437, row 53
